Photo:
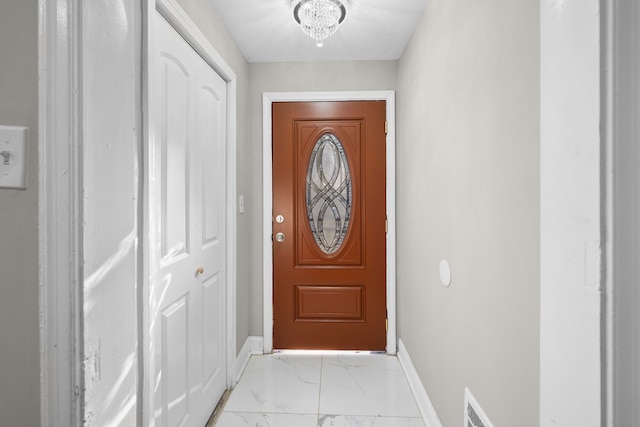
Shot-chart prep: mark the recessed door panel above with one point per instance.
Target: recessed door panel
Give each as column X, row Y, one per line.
column 212, row 140
column 213, row 333
column 175, row 362
column 175, row 104
column 327, row 183
column 329, row 303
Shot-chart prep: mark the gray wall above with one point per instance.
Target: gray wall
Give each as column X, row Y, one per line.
column 203, row 15
column 625, row 235
column 295, row 77
column 468, row 192
column 19, row 356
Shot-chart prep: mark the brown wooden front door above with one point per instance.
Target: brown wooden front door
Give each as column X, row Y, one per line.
column 329, row 213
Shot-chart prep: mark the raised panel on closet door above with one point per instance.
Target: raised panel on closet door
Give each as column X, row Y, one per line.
column 175, row 123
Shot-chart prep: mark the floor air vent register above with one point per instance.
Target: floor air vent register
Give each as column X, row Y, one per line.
column 474, row 416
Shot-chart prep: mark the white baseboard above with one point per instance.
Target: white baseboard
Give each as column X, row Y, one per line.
column 253, row 345
column 427, row 410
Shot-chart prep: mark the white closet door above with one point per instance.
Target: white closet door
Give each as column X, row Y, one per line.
column 187, row 182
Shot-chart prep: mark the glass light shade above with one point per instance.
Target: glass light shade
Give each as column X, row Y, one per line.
column 319, row 18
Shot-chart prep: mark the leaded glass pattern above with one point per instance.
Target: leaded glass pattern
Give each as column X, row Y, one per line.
column 329, row 193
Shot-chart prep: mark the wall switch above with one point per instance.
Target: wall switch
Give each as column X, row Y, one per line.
column 13, row 157
column 241, row 204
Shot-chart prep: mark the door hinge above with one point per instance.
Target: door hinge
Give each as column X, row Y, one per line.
column 386, row 127
column 386, row 225
column 386, row 314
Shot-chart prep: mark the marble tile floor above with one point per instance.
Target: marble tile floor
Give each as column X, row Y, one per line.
column 303, row 390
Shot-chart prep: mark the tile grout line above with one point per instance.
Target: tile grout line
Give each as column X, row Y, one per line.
column 320, row 390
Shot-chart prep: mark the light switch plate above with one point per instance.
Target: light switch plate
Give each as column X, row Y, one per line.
column 13, row 157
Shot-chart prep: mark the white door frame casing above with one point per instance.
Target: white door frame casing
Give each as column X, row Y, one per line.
column 269, row 98
column 176, row 16
column 60, row 212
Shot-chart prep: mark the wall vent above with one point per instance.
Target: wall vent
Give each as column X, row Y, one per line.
column 474, row 416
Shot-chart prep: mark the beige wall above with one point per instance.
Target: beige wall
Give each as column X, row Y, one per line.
column 295, row 77
column 468, row 192
column 19, row 356
column 202, row 14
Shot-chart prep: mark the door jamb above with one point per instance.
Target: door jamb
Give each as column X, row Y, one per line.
column 60, row 212
column 178, row 18
column 267, row 255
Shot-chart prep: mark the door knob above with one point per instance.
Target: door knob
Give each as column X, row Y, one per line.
column 199, row 271
column 280, row 237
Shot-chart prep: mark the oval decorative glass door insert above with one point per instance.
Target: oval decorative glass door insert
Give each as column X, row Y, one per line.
column 329, row 193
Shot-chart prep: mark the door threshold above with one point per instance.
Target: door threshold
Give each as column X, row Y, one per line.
column 328, row 352
column 219, row 408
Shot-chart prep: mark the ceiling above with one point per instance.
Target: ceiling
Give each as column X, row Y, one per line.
column 265, row 30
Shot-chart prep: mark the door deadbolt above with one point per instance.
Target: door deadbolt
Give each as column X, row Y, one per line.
column 279, row 219
column 280, row 237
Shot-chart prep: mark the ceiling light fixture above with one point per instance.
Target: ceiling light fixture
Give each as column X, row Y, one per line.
column 319, row 18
